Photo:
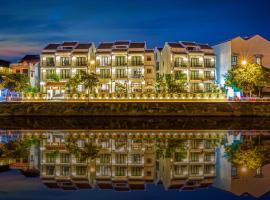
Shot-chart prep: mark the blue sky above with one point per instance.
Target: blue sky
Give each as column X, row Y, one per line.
column 14, row 186
column 27, row 26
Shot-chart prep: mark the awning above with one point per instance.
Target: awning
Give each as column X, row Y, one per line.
column 55, row 84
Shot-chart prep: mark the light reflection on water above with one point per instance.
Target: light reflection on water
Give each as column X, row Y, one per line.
column 136, row 160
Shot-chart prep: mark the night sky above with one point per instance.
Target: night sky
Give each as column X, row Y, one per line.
column 28, row 25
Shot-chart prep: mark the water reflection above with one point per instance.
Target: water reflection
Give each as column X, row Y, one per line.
column 235, row 161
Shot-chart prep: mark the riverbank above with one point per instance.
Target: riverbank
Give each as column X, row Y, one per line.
column 140, row 108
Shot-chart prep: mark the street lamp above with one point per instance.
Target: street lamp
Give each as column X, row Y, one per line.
column 244, row 62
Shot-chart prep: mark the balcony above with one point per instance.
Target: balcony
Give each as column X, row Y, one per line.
column 132, row 63
column 120, row 64
column 196, row 65
column 211, row 78
column 120, row 76
column 178, row 64
column 48, row 64
column 196, row 78
column 136, row 76
column 209, row 66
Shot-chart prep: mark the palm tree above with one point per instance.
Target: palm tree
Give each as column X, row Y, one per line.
column 90, row 81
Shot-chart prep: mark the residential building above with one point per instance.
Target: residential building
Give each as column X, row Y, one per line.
column 193, row 61
column 29, row 66
column 125, row 65
column 158, row 61
column 238, row 50
column 60, row 62
column 190, row 167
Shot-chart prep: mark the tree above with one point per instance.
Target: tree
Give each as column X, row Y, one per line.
column 120, row 88
column 246, row 154
column 15, row 82
column 246, row 77
column 73, row 83
column 161, row 84
column 89, row 81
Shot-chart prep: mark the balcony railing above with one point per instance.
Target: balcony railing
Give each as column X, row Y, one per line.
column 196, row 65
column 196, row 78
column 209, row 66
column 132, row 63
column 120, row 64
column 138, row 76
column 177, row 64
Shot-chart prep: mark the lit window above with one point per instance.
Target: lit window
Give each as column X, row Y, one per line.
column 259, row 60
column 234, row 60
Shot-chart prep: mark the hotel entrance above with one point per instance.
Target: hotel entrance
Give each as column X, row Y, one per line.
column 55, row 90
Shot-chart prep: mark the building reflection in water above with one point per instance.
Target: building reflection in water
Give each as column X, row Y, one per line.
column 124, row 161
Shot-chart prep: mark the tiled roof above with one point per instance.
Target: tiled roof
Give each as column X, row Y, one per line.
column 175, row 45
column 119, row 50
column 105, row 45
column 51, row 46
column 83, row 46
column 189, row 43
column 149, row 50
column 30, row 58
column 121, row 43
column 137, row 45
column 204, row 46
column 69, row 43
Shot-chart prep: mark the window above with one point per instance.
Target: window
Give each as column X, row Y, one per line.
column 149, row 58
column 120, row 73
column 179, row 170
column 81, row 170
column 25, row 72
column 50, row 170
column 105, row 158
column 207, row 87
column 180, row 75
column 49, row 73
column 207, row 75
column 208, row 157
column 259, row 60
column 259, row 172
column 137, row 159
column 136, row 73
column 105, row 73
column 81, row 61
column 207, row 62
column 149, row 161
column 65, row 158
column 178, row 62
column 120, row 158
column 136, row 60
column 234, row 60
column 104, row 170
column 194, row 157
column 120, row 60
column 50, row 158
column 136, row 171
column 149, row 71
column 105, row 61
column 65, row 73
column 208, row 169
column 49, row 61
column 120, row 171
column 194, row 170
column 194, row 75
column 65, row 170
column 195, row 87
column 194, row 62
column 65, row 61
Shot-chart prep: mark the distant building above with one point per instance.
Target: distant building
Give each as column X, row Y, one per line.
column 158, row 61
column 255, row 49
column 29, row 66
column 125, row 64
column 196, row 61
column 64, row 61
column 4, row 66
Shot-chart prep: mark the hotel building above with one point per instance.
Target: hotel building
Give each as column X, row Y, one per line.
column 195, row 61
column 127, row 65
column 64, row 61
column 235, row 51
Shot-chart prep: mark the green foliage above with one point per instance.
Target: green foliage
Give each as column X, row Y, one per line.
column 30, row 89
column 89, row 80
column 120, row 88
column 89, row 151
column 161, row 84
column 54, row 77
column 246, row 154
column 15, row 82
column 73, row 83
column 246, row 77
